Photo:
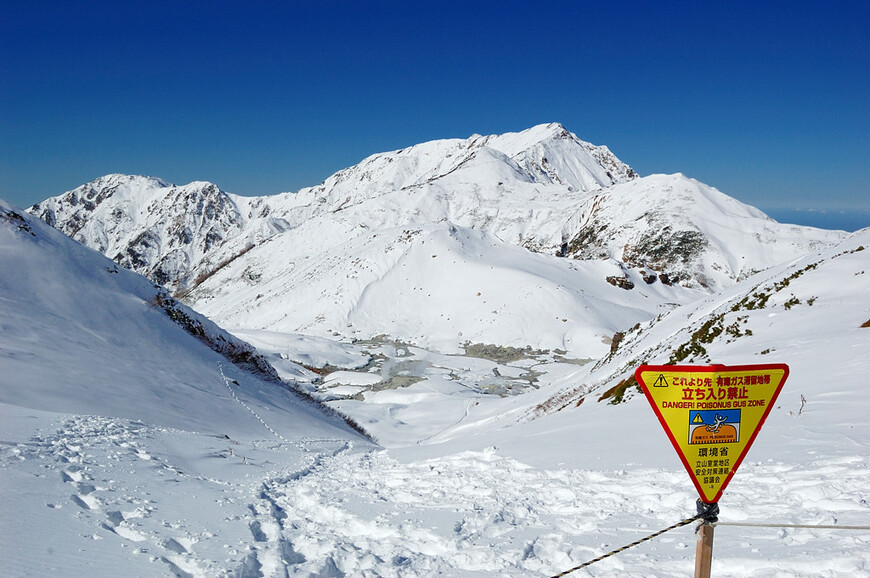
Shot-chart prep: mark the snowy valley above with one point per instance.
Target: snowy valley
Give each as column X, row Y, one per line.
column 478, row 306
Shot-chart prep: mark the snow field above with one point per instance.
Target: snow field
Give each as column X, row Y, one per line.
column 481, row 513
column 105, row 496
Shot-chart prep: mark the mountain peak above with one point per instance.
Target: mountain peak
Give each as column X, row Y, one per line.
column 552, row 130
column 526, row 197
column 528, row 138
column 115, row 179
column 145, row 223
column 553, row 151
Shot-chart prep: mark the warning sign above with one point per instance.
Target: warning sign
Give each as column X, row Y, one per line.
column 711, row 414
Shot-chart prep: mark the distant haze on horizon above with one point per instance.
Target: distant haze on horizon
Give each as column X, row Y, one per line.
column 837, row 220
column 767, row 102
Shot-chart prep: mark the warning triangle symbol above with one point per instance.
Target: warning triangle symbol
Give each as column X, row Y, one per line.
column 698, row 419
column 661, row 381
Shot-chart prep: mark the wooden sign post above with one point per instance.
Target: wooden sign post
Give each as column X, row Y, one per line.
column 704, row 550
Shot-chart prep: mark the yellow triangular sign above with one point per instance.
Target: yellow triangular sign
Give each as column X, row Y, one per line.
column 711, row 414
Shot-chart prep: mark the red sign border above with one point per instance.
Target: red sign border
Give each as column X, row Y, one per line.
column 710, row 369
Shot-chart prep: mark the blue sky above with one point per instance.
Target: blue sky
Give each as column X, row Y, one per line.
column 766, row 101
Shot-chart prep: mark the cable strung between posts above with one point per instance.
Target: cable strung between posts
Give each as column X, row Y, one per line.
column 801, row 526
column 705, row 511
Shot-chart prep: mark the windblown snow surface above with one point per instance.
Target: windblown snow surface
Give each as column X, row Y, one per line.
column 129, row 448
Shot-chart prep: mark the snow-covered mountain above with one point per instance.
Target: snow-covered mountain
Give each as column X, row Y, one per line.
column 178, row 234
column 419, row 244
column 129, row 446
column 500, row 305
column 75, row 326
column 147, row 225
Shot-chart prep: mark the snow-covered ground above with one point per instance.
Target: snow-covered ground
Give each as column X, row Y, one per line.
column 127, row 447
column 477, row 441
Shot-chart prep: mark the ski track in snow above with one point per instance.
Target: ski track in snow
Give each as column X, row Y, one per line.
column 229, row 384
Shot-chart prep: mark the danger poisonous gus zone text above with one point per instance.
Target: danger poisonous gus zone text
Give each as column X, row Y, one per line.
column 736, row 404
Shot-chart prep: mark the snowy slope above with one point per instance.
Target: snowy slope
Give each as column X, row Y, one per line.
column 438, row 286
column 686, row 230
column 70, row 313
column 411, row 263
column 121, row 429
column 811, row 313
column 807, row 313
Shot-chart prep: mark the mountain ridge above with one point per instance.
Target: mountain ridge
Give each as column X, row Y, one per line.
column 542, row 190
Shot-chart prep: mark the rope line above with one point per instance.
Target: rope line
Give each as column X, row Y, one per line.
column 806, row 526
column 707, row 512
column 626, row 547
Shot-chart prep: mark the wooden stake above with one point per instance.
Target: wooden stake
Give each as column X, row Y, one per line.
column 704, row 550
